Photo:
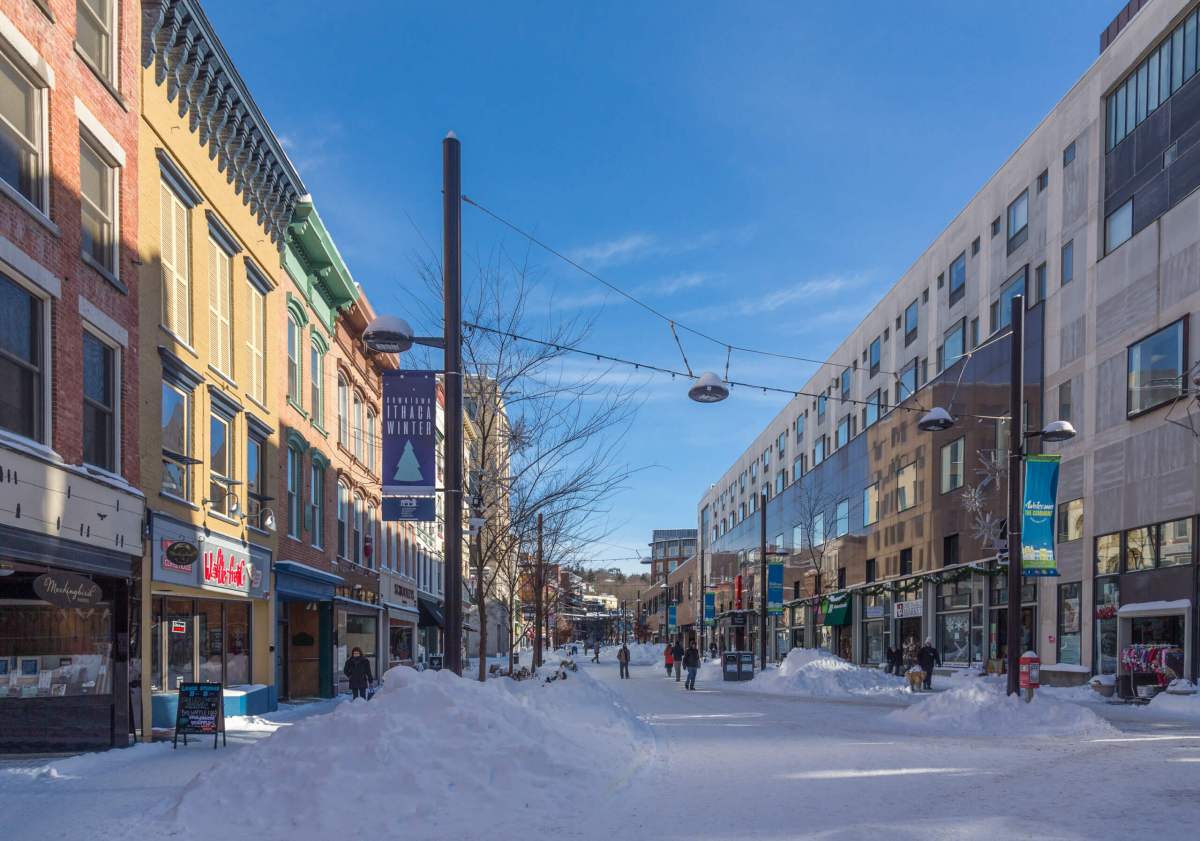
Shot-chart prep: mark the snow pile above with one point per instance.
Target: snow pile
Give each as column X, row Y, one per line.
column 441, row 756
column 640, row 654
column 817, row 673
column 981, row 708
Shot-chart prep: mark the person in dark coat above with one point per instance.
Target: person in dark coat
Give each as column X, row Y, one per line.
column 623, row 660
column 677, row 657
column 893, row 661
column 926, row 657
column 358, row 671
column 691, row 662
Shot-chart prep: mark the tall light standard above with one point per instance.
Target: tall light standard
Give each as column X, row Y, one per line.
column 666, row 595
column 939, row 419
column 389, row 334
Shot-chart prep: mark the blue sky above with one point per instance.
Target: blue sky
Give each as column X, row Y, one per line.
column 763, row 171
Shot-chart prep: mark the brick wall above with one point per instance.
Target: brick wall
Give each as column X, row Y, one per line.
column 55, row 243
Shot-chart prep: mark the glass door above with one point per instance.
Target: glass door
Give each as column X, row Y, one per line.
column 181, row 643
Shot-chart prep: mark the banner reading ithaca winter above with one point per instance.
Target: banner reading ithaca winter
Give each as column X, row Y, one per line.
column 409, row 442
column 1037, row 516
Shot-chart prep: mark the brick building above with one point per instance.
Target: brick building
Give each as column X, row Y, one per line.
column 71, row 516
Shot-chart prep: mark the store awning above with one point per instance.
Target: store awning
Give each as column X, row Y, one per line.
column 294, row 580
column 838, row 614
column 431, row 614
column 401, row 608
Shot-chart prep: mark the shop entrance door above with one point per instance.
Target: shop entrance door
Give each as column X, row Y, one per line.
column 304, row 653
column 998, row 633
column 910, row 629
column 181, row 643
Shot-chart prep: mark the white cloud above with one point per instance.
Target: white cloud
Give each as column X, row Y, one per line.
column 614, row 251
column 808, row 293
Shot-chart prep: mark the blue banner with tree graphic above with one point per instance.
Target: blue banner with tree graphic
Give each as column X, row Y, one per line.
column 1037, row 515
column 409, row 436
column 775, row 587
column 710, row 608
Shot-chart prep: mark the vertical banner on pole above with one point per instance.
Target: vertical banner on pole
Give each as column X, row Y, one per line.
column 671, row 618
column 409, row 444
column 775, row 588
column 710, row 608
column 1037, row 515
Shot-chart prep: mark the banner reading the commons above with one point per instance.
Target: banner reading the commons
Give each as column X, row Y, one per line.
column 775, row 587
column 1037, row 515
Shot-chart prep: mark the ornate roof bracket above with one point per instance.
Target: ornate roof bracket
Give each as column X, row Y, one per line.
column 188, row 58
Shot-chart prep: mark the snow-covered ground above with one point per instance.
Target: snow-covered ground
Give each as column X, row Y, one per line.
column 815, row 749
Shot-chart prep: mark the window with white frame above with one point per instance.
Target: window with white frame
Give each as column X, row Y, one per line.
column 22, row 360
column 356, row 544
column 256, row 328
column 316, row 379
column 343, row 520
column 906, row 487
column 100, row 363
column 256, row 477
column 95, row 30
column 369, row 432
column 176, row 419
column 220, row 307
column 316, row 504
column 358, row 427
column 98, row 185
column 220, row 462
column 343, row 398
column 952, row 465
column 175, row 263
column 369, row 536
column 22, row 132
column 294, row 333
column 295, row 483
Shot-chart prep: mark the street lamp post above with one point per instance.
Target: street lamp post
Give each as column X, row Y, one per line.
column 762, row 581
column 938, row 419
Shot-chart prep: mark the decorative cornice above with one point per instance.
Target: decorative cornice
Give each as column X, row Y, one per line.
column 188, row 57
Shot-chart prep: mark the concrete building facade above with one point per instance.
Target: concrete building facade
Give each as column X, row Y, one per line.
column 1094, row 220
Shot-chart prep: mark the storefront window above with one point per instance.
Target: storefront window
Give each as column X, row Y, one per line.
column 401, row 642
column 954, row 621
column 876, row 610
column 1139, row 549
column 1108, row 599
column 46, row 651
column 237, row 643
column 180, row 645
column 211, row 640
column 220, row 630
column 1069, row 650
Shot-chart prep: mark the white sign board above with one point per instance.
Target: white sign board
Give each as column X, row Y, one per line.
column 908, row 610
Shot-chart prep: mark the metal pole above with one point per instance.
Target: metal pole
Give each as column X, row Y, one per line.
column 452, row 293
column 701, row 612
column 624, row 622
column 1016, row 455
column 666, row 627
column 539, row 577
column 762, row 583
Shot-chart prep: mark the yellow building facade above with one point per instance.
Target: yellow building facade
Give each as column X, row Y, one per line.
column 216, row 196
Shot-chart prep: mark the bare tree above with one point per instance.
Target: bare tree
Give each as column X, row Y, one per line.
column 814, row 511
column 543, row 432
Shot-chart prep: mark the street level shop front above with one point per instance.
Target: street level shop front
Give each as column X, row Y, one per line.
column 69, row 549
column 207, row 618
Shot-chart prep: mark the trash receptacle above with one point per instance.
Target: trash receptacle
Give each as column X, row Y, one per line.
column 729, row 666
column 745, row 665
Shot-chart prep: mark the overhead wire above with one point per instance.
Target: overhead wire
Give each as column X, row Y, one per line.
column 639, row 302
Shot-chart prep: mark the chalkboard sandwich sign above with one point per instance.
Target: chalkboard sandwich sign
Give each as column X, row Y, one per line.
column 201, row 711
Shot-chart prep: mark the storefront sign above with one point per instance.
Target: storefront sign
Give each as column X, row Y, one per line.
column 908, row 610
column 1037, row 515
column 191, row 557
column 201, row 710
column 710, row 608
column 775, row 588
column 409, row 411
column 435, row 662
column 413, row 509
column 179, row 626
column 65, row 589
column 737, row 620
column 873, row 611
column 404, row 592
column 180, row 555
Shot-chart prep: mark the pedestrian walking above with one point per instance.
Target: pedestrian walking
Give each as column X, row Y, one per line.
column 926, row 657
column 712, row 650
column 596, row 651
column 623, row 660
column 691, row 662
column 358, row 671
column 893, row 661
column 677, row 658
column 669, row 658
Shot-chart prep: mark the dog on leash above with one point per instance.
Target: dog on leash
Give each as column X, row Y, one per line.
column 916, row 679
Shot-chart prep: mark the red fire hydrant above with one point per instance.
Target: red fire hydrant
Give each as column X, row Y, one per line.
column 1031, row 673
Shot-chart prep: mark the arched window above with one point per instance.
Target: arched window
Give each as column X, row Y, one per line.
column 358, row 427
column 370, row 537
column 357, row 540
column 293, row 353
column 343, row 397
column 316, row 375
column 371, row 439
column 343, row 520
column 295, row 464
